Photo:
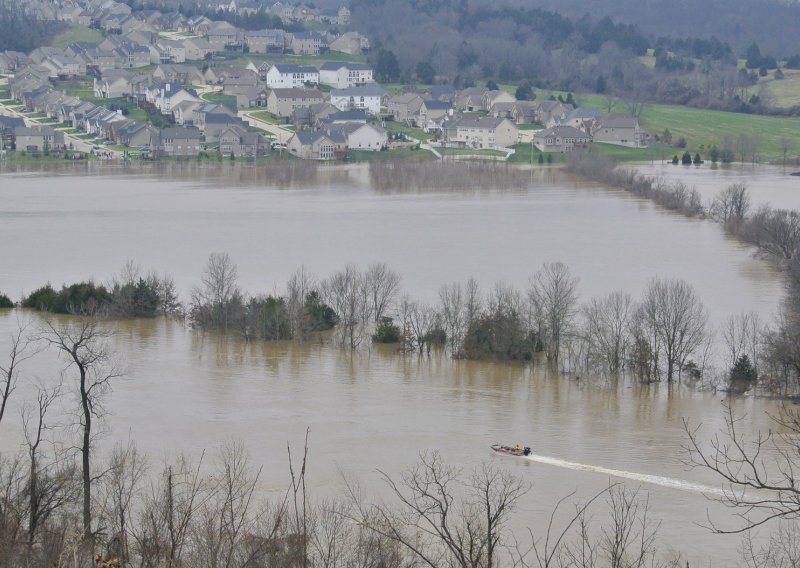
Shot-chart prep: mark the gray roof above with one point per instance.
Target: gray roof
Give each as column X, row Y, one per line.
column 189, row 133
column 336, row 65
column 284, row 68
column 370, row 90
column 562, row 132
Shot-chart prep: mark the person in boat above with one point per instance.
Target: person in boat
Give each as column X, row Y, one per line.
column 517, row 449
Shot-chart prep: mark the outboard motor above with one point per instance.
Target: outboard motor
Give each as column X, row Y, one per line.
column 526, row 451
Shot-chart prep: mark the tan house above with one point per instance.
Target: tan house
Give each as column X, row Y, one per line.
column 470, row 100
column 620, row 129
column 281, row 102
column 178, row 142
column 352, row 43
column 310, row 145
column 491, row 98
column 38, row 139
column 406, row 107
column 480, row 132
column 561, row 139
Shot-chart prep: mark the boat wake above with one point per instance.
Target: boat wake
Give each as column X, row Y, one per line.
column 670, row 482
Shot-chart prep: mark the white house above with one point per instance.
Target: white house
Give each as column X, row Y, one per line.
column 287, row 76
column 366, row 98
column 367, row 137
column 343, row 75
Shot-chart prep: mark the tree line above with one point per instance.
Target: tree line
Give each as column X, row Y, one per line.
column 662, row 335
column 761, row 353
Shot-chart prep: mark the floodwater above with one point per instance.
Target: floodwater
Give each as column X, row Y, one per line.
column 188, row 391
column 766, row 184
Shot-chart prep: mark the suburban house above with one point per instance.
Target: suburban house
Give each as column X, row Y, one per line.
column 183, row 112
column 242, row 143
column 201, row 113
column 281, row 102
column 216, row 124
column 166, row 96
column 480, row 132
column 360, row 136
column 167, row 51
column 580, row 118
column 366, row 98
column 317, row 145
column 223, row 36
column 470, row 100
column 491, row 98
column 221, row 74
column 38, row 139
column 344, row 75
column 619, row 129
column 405, row 107
column 113, row 84
column 266, row 41
column 352, row 43
column 545, row 111
column 63, row 66
column 177, row 142
column 307, row 43
column 7, row 126
column 561, row 139
column 196, row 48
column 287, row 75
column 179, row 74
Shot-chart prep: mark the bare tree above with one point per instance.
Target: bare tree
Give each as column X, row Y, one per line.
column 732, row 205
column 785, row 144
column 51, row 483
column 759, row 474
column 628, row 539
column 439, row 525
column 554, row 294
column 775, row 231
column 608, row 322
column 298, row 287
column 451, row 297
column 22, row 349
column 742, row 334
column 382, row 284
column 676, row 316
column 168, row 514
column 344, row 292
column 121, row 483
column 84, row 346
column 220, row 289
column 423, row 320
column 782, row 549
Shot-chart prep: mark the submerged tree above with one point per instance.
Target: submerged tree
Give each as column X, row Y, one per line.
column 83, row 345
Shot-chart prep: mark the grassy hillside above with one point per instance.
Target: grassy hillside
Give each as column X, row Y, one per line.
column 705, row 128
column 76, row 33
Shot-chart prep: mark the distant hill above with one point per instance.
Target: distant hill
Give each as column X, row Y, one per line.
column 773, row 24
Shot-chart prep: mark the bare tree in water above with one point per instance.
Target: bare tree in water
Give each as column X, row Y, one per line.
column 382, row 284
column 553, row 293
column 22, row 349
column 84, row 346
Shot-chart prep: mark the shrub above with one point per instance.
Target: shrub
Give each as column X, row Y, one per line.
column 83, row 297
column 743, row 370
column 5, row 302
column 387, row 331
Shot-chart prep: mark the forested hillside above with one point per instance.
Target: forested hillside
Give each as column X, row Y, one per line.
column 466, row 42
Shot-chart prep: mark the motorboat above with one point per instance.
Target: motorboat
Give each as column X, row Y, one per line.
column 511, row 450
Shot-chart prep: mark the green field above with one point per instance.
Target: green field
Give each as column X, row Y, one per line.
column 784, row 93
column 265, row 116
column 417, row 133
column 705, row 128
column 76, row 33
column 219, row 98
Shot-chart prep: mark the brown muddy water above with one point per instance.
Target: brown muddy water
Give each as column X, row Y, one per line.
column 375, row 409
